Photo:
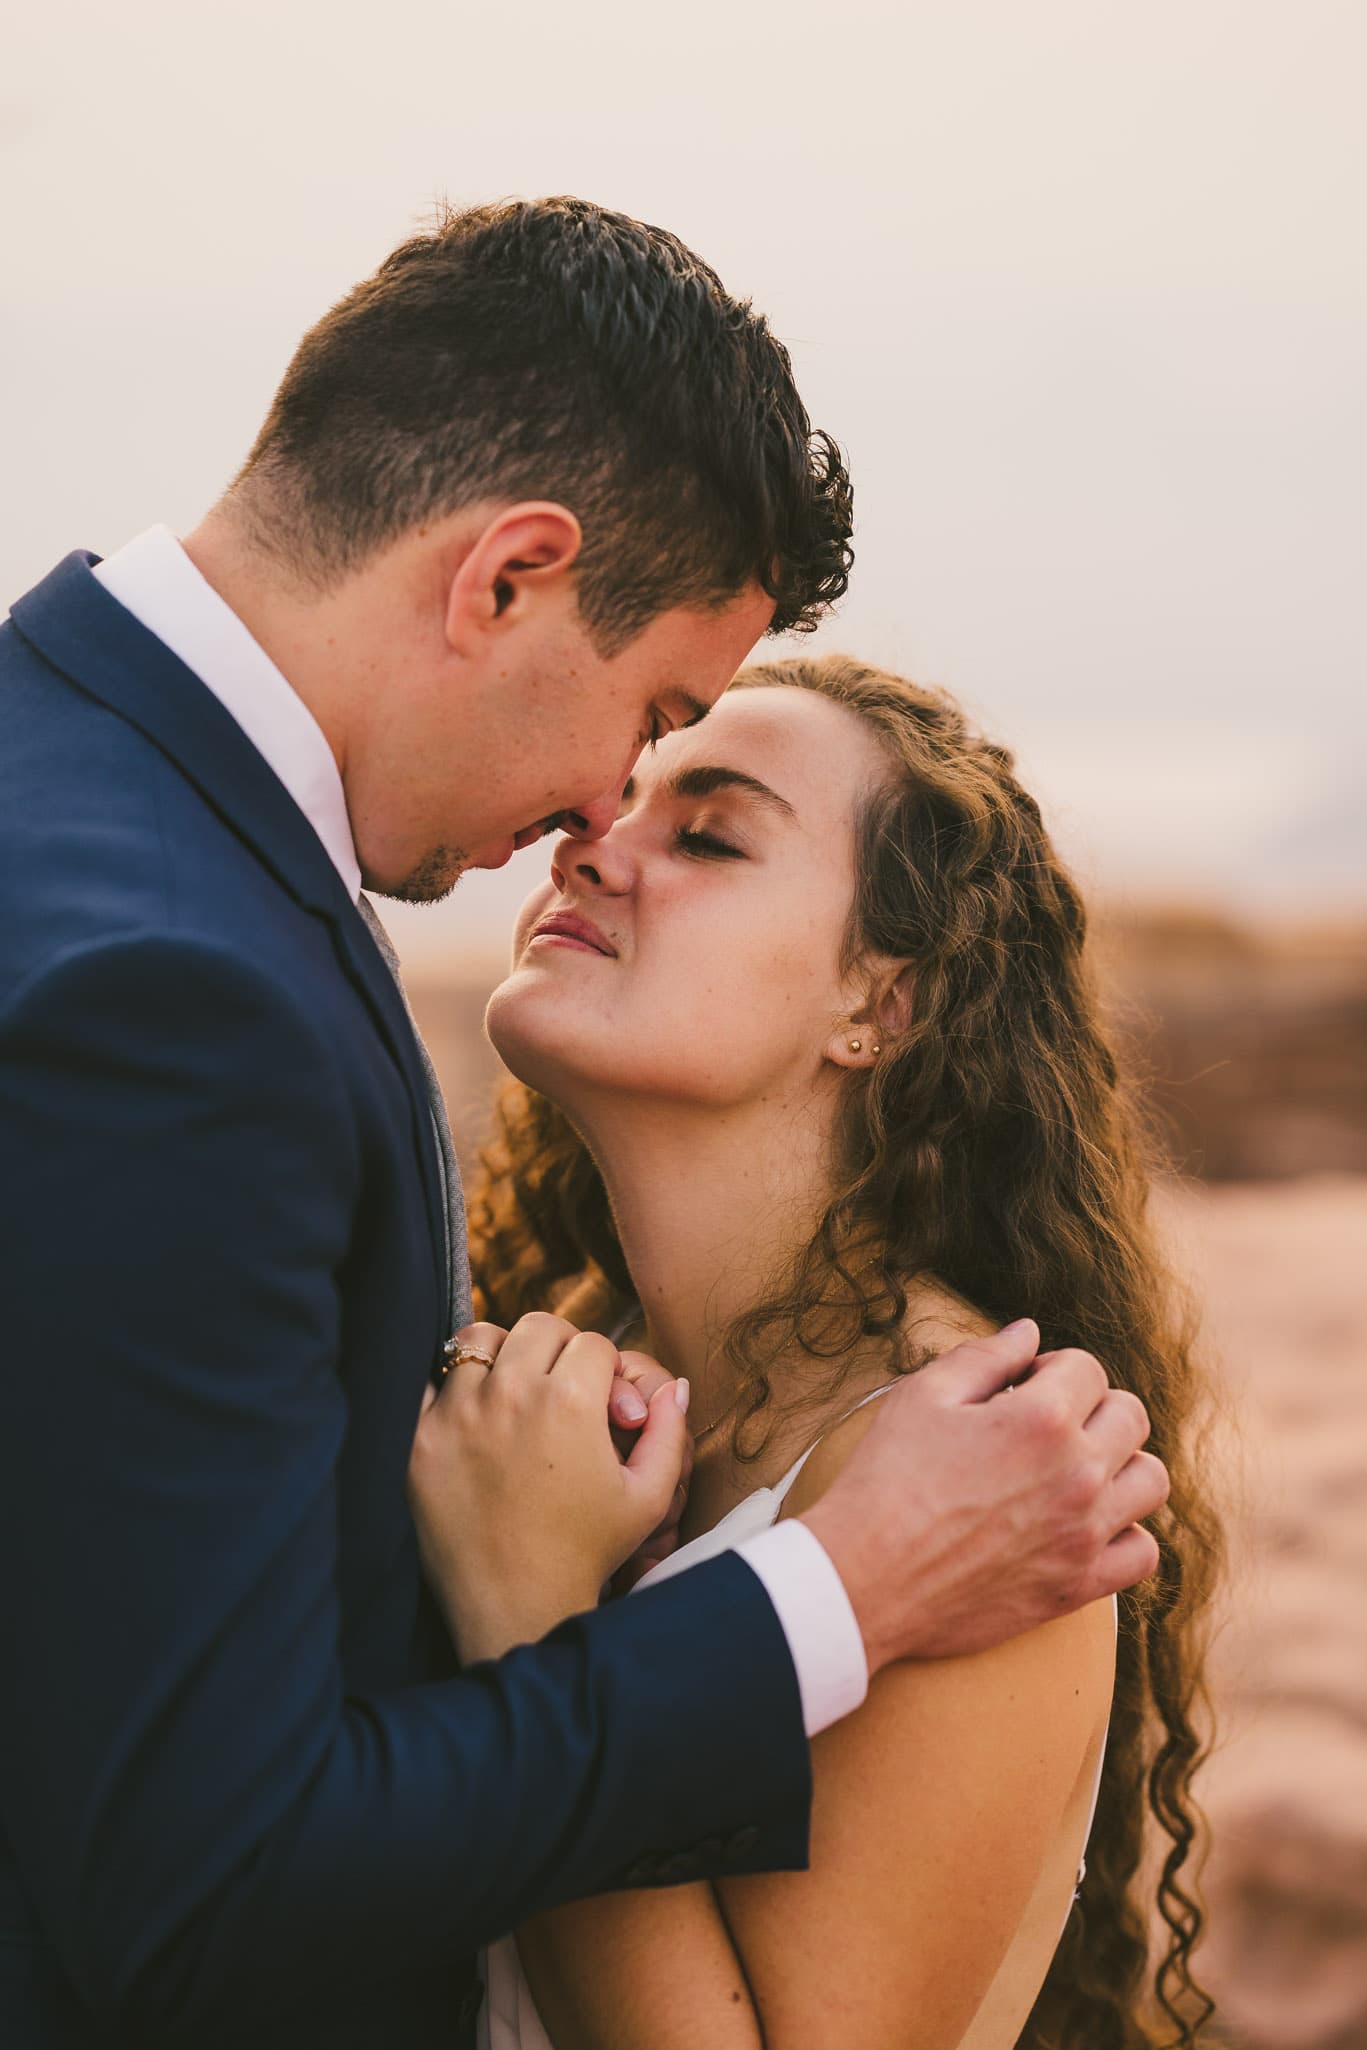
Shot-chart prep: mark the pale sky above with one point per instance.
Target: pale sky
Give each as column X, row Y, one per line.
column 1081, row 288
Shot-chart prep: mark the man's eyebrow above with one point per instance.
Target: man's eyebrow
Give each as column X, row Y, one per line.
column 706, row 780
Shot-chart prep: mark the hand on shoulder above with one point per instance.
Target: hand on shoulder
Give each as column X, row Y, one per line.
column 994, row 1490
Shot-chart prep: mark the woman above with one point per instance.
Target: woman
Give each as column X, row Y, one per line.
column 812, row 1085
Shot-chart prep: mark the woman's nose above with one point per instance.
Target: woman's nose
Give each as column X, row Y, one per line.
column 599, row 864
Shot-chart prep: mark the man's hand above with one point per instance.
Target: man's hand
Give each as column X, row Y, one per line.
column 522, row 1505
column 974, row 1509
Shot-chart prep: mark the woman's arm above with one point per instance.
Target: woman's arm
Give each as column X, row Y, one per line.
column 936, row 1810
column 652, row 1970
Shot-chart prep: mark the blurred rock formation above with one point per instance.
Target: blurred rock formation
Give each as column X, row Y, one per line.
column 1253, row 1042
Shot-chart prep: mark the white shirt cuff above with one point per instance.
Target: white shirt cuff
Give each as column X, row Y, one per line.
column 816, row 1618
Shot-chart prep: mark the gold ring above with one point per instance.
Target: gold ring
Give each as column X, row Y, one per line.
column 456, row 1355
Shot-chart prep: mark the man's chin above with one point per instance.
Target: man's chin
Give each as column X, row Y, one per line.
column 435, row 876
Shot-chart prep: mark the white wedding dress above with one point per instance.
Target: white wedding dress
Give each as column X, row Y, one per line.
column 508, row 2018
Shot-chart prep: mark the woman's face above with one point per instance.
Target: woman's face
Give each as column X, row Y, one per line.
column 693, row 952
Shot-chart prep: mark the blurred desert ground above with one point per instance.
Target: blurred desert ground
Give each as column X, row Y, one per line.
column 1254, row 1041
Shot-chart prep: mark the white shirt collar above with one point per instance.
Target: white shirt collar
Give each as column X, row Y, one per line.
column 155, row 580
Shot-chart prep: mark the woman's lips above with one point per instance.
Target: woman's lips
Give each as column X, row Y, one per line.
column 575, row 930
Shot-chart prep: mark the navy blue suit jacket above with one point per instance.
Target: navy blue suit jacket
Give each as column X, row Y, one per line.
column 245, row 1797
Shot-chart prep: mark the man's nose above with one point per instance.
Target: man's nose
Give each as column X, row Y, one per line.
column 591, row 821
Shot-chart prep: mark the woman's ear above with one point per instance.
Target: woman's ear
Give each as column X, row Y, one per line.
column 895, row 1005
column 859, row 1039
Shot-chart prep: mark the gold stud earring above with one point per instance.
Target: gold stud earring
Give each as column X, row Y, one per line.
column 875, row 1048
column 856, row 1045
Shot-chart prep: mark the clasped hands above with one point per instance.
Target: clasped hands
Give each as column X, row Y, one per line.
column 537, row 1481
column 997, row 1488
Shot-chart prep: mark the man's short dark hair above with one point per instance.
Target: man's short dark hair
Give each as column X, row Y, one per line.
column 551, row 349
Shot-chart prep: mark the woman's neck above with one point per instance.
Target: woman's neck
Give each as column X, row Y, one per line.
column 710, row 1207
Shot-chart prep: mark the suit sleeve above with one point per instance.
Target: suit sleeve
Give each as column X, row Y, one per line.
column 208, row 1827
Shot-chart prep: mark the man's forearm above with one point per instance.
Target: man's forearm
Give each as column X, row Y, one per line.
column 433, row 1820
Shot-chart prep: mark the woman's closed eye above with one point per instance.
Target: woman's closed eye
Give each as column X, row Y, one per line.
column 707, row 846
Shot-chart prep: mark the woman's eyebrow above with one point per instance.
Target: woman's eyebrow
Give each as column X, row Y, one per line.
column 707, row 780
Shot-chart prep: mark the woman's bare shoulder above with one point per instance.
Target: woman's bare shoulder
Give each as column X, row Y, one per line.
column 824, row 1462
column 952, row 1800
column 937, row 1320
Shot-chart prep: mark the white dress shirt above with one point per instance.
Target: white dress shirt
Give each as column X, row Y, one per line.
column 155, row 580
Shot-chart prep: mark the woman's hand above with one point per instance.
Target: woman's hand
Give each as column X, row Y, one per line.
column 646, row 1377
column 523, row 1507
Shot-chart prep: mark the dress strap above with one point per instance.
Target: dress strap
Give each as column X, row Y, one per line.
column 781, row 1488
column 624, row 1324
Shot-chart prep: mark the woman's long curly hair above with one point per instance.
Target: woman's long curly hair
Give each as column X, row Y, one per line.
column 994, row 1148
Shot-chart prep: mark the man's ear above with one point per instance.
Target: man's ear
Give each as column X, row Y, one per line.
column 517, row 558
column 871, row 1026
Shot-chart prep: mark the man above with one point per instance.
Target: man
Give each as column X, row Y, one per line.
column 524, row 501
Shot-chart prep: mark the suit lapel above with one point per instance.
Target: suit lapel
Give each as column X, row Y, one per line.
column 369, row 972
column 83, row 632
